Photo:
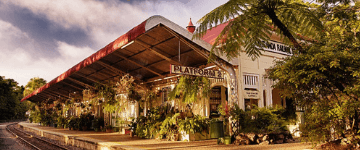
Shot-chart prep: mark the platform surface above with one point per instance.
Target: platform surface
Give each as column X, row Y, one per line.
column 126, row 142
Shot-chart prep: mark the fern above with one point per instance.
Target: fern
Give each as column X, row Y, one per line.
column 189, row 89
column 253, row 21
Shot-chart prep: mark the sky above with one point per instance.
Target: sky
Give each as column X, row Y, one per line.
column 44, row 38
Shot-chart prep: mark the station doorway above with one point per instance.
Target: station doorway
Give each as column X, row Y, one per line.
column 218, row 96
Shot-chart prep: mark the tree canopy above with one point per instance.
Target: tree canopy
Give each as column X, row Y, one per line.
column 33, row 84
column 10, row 96
column 325, row 80
column 250, row 22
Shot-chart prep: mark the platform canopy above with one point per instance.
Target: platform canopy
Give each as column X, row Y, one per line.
column 145, row 52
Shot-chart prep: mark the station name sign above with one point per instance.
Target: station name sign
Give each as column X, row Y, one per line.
column 175, row 69
column 276, row 47
column 251, row 94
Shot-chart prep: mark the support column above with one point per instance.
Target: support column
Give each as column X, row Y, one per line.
column 232, row 89
column 137, row 109
column 233, row 86
column 145, row 108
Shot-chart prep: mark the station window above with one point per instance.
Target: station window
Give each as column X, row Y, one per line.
column 215, row 101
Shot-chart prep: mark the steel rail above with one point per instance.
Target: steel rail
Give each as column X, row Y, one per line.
column 27, row 142
column 7, row 128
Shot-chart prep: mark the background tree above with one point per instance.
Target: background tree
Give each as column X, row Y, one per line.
column 251, row 22
column 325, row 80
column 33, row 84
column 10, row 96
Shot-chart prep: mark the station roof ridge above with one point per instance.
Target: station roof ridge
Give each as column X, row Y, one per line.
column 190, row 23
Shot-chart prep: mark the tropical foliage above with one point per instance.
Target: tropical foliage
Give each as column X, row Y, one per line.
column 149, row 126
column 196, row 124
column 189, row 89
column 324, row 80
column 36, row 110
column 259, row 120
column 251, row 22
column 114, row 96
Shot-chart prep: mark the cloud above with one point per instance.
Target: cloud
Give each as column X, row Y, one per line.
column 16, row 36
column 9, row 30
column 104, row 21
column 11, row 41
column 19, row 62
column 72, row 52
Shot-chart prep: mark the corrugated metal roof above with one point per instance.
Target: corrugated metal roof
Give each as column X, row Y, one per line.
column 145, row 52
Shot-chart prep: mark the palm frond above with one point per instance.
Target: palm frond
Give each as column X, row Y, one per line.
column 219, row 15
column 251, row 22
column 298, row 18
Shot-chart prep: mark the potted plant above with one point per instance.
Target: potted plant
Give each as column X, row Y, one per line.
column 225, row 114
column 72, row 123
column 193, row 129
column 109, row 129
column 174, row 135
column 95, row 124
column 132, row 126
column 170, row 128
column 61, row 122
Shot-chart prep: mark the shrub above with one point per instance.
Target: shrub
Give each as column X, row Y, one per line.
column 192, row 125
column 45, row 119
column 73, row 123
column 170, row 125
column 35, row 116
column 97, row 123
column 85, row 121
column 259, row 120
column 149, row 126
column 61, row 122
column 161, row 124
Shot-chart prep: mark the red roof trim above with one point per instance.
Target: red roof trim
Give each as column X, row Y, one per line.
column 111, row 47
column 212, row 34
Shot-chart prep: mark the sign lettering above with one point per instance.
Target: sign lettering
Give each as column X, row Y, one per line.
column 175, row 69
column 277, row 47
column 251, row 94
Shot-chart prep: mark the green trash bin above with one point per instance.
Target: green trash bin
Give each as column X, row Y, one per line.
column 227, row 140
column 216, row 129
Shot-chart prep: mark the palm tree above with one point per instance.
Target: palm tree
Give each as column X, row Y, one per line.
column 251, row 22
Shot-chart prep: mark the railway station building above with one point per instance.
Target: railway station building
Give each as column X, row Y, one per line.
column 155, row 53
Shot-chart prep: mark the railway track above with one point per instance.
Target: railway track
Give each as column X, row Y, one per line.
column 33, row 141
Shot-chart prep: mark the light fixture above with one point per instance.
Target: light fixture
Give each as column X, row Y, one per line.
column 171, row 77
column 210, row 67
column 127, row 44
